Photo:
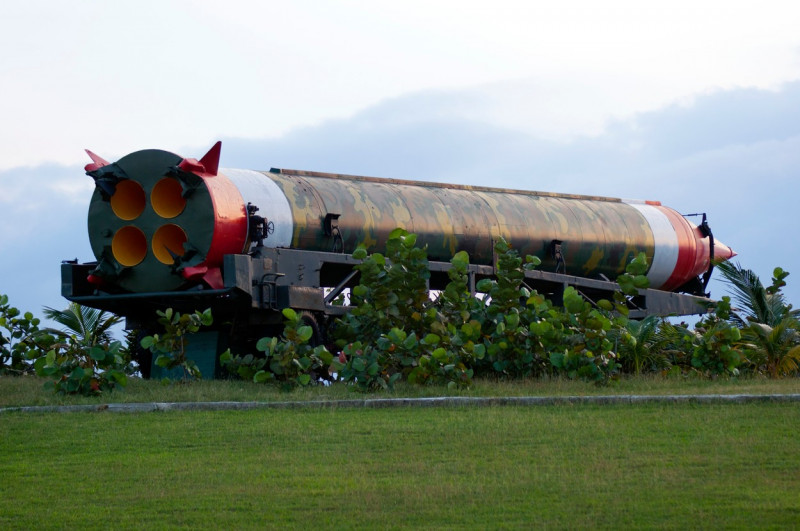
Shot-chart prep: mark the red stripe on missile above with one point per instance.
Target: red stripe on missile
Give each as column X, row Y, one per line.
column 230, row 217
column 694, row 250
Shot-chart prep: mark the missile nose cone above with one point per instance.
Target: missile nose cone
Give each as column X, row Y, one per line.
column 722, row 251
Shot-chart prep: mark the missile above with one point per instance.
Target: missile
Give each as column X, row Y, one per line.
column 161, row 222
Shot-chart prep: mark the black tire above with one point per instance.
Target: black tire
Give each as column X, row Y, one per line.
column 308, row 319
column 317, row 339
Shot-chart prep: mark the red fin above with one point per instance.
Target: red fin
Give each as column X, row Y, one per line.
column 210, row 275
column 214, row 278
column 208, row 165
column 97, row 162
column 210, row 160
column 194, row 273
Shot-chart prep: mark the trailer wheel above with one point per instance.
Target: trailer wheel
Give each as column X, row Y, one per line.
column 317, row 339
column 308, row 319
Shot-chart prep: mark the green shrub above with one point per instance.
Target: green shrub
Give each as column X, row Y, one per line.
column 84, row 370
column 170, row 346
column 21, row 340
column 291, row 361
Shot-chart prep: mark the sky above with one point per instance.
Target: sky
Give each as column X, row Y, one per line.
column 695, row 104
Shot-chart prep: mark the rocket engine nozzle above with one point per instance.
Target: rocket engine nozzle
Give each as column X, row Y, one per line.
column 165, row 221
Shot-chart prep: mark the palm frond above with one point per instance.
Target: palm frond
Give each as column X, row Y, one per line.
column 749, row 295
column 791, row 361
column 90, row 325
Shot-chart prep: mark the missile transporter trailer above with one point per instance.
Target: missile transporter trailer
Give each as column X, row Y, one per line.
column 169, row 232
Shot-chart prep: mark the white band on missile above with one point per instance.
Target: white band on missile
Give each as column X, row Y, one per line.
column 261, row 191
column 665, row 257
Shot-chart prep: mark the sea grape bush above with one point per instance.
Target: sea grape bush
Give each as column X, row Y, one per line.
column 21, row 340
column 170, row 346
column 398, row 332
column 71, row 365
column 392, row 291
column 83, row 369
column 716, row 350
column 290, row 361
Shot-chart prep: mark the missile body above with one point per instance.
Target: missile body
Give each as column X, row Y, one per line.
column 158, row 222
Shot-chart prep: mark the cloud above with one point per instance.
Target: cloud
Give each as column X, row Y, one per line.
column 42, row 221
column 731, row 154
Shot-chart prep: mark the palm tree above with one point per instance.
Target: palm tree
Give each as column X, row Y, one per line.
column 770, row 327
column 777, row 348
column 754, row 302
column 88, row 326
column 643, row 348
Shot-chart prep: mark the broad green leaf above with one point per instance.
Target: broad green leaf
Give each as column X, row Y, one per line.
column 410, row 342
column 410, row 240
column 460, row 258
column 262, row 376
column 484, row 285
column 304, row 333
column 397, row 233
column 264, row 344
column 431, row 339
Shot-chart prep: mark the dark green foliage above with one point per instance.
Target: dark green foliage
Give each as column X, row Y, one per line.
column 392, row 291
column 83, row 369
column 370, row 368
column 642, row 344
column 83, row 325
column 754, row 302
column 396, row 332
column 715, row 349
column 81, row 359
column 290, row 362
column 21, row 340
column 770, row 327
column 244, row 367
column 586, row 350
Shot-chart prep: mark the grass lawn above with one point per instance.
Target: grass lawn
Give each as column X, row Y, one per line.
column 613, row 466
column 28, row 390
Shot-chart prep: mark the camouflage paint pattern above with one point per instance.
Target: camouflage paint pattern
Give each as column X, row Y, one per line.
column 599, row 235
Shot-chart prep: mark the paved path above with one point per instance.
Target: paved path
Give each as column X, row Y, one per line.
column 409, row 402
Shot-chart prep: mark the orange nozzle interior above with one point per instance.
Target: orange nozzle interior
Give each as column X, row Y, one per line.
column 168, row 241
column 167, row 198
column 128, row 200
column 129, row 246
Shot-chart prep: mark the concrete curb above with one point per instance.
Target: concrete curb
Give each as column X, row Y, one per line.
column 374, row 403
